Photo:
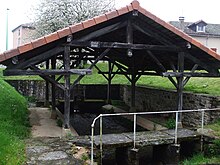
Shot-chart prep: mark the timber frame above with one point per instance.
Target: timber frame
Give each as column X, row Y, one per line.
column 131, row 40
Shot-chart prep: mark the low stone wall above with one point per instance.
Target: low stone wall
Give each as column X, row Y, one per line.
column 149, row 99
column 37, row 88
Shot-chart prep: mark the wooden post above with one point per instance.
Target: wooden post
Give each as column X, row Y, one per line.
column 109, row 83
column 130, row 54
column 53, row 90
column 180, row 84
column 133, row 82
column 47, row 102
column 66, row 61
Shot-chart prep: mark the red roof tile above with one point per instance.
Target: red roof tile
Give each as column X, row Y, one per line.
column 39, row 42
column 100, row 19
column 11, row 53
column 122, row 10
column 88, row 23
column 25, row 48
column 77, row 27
column 112, row 14
column 64, row 32
column 2, row 57
column 52, row 37
column 135, row 5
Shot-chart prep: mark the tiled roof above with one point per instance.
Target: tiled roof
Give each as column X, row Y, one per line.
column 211, row 29
column 98, row 20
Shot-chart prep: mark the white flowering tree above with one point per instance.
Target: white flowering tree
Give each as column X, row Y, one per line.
column 52, row 15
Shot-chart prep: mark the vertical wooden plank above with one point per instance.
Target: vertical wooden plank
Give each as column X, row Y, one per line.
column 66, row 61
column 180, row 84
column 53, row 90
column 47, row 102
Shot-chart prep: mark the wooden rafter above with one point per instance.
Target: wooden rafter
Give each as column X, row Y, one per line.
column 117, row 45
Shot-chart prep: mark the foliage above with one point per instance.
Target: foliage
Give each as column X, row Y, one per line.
column 214, row 149
column 52, row 15
column 14, row 125
column 59, row 123
column 170, row 123
column 215, row 127
column 200, row 159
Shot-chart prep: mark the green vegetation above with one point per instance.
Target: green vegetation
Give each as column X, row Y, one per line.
column 215, row 127
column 170, row 123
column 200, row 159
column 14, row 125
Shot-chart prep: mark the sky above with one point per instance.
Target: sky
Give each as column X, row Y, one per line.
column 169, row 10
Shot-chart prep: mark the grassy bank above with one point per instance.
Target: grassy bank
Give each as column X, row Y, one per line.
column 14, row 125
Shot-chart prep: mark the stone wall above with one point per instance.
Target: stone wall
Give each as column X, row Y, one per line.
column 149, row 99
column 36, row 89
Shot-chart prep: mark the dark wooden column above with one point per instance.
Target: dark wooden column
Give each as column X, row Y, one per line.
column 180, row 85
column 109, row 82
column 66, row 61
column 130, row 54
column 47, row 102
column 53, row 90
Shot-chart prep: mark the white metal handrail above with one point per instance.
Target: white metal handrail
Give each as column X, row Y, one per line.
column 135, row 120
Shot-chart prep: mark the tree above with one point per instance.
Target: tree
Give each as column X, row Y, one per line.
column 52, row 15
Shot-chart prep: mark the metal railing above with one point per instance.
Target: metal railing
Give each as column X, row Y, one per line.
column 135, row 120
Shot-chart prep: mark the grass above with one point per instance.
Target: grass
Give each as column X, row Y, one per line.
column 215, row 127
column 14, row 125
column 200, row 159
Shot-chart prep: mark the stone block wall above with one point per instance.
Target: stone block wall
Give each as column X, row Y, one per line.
column 147, row 99
column 150, row 99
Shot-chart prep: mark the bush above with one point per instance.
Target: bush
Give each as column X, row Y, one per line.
column 171, row 123
column 214, row 149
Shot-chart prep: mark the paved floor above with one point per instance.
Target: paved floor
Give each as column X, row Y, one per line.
column 49, row 144
column 42, row 124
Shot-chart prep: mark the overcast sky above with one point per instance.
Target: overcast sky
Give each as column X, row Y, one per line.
column 192, row 10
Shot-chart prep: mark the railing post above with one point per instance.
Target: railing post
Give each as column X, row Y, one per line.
column 176, row 127
column 92, row 145
column 135, row 119
column 202, row 126
column 101, row 139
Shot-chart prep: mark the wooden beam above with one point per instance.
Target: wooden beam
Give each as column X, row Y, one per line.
column 66, row 61
column 109, row 79
column 99, row 71
column 38, row 58
column 180, row 84
column 90, row 67
column 53, row 89
column 48, row 78
column 192, row 71
column 162, row 68
column 102, row 31
column 18, row 72
column 189, row 74
column 46, row 103
column 152, row 34
column 204, row 65
column 117, row 45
